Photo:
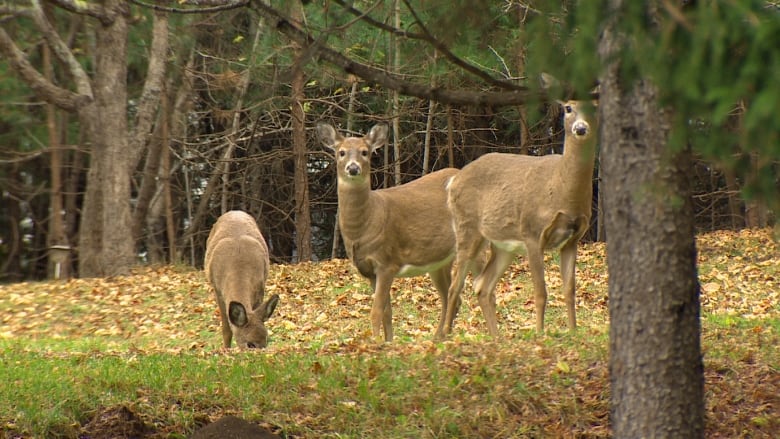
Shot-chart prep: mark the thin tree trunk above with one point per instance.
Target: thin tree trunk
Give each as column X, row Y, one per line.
column 735, row 214
column 302, row 210
column 429, row 125
column 656, row 369
column 142, row 134
column 396, row 97
column 57, row 239
column 165, row 173
column 450, row 138
column 601, row 231
column 350, row 119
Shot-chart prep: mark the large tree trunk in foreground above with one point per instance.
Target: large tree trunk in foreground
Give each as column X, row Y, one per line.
column 656, row 368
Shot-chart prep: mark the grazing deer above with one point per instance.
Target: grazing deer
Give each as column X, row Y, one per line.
column 396, row 232
column 236, row 266
column 525, row 203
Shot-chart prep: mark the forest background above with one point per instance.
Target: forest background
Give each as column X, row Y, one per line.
column 128, row 127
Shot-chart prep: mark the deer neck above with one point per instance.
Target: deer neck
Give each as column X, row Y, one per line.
column 576, row 171
column 356, row 208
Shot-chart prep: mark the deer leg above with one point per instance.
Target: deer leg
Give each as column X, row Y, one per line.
column 568, row 260
column 485, row 284
column 466, row 253
column 536, row 264
column 227, row 333
column 381, row 311
column 441, row 279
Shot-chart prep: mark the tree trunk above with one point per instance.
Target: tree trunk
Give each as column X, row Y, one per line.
column 105, row 237
column 300, row 153
column 656, row 369
column 57, row 240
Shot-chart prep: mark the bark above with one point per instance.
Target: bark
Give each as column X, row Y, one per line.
column 301, row 155
column 57, row 239
column 106, row 245
column 656, row 369
column 105, row 238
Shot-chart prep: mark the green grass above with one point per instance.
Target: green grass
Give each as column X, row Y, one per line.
column 150, row 342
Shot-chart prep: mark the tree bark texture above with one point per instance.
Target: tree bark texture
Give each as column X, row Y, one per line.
column 656, row 369
column 105, row 238
column 301, row 154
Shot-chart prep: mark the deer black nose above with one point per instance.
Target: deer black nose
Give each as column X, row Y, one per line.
column 353, row 169
column 580, row 128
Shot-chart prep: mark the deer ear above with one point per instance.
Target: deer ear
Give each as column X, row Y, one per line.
column 270, row 306
column 377, row 137
column 328, row 135
column 548, row 81
column 237, row 314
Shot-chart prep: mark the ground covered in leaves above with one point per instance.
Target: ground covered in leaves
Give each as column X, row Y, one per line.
column 550, row 386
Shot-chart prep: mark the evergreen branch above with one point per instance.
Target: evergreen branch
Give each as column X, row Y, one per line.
column 517, row 96
column 433, row 41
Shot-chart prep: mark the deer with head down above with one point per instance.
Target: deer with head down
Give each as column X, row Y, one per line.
column 519, row 203
column 396, row 232
column 236, row 265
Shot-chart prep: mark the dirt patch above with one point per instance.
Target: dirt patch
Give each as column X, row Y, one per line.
column 122, row 422
column 114, row 422
column 231, row 427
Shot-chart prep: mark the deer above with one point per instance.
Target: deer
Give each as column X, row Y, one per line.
column 518, row 203
column 402, row 231
column 236, row 265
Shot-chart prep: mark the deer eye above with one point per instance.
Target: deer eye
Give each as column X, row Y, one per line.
column 364, row 153
column 342, row 153
column 567, row 108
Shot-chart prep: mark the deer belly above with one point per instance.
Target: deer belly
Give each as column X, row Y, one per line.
column 510, row 245
column 409, row 270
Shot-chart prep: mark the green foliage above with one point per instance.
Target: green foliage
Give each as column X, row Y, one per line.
column 715, row 64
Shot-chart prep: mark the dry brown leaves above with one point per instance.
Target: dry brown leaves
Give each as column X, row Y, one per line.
column 325, row 308
column 328, row 302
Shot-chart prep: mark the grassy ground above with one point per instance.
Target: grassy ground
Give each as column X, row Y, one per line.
column 142, row 353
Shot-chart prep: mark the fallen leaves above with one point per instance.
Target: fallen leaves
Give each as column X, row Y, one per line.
column 325, row 309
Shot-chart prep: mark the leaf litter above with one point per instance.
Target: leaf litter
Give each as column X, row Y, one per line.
column 325, row 308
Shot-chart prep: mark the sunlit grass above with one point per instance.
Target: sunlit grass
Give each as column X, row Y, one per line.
column 151, row 342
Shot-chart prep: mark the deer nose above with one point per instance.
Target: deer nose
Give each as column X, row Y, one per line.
column 580, row 128
column 353, row 169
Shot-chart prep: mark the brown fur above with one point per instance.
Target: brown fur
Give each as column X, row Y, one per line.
column 396, row 232
column 523, row 203
column 236, row 265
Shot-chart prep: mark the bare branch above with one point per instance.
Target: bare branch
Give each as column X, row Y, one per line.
column 60, row 97
column 61, row 49
column 153, row 86
column 10, row 11
column 213, row 6
column 85, row 8
column 517, row 96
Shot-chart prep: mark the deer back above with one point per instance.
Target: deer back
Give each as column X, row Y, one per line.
column 509, row 196
column 236, row 265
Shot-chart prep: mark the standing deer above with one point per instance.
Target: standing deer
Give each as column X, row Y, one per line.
column 236, row 266
column 525, row 203
column 396, row 232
